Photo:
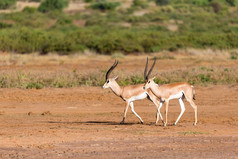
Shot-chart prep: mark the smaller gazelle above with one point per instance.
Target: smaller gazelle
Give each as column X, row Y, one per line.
column 167, row 92
column 129, row 93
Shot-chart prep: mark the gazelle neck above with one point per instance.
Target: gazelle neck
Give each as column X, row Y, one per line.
column 116, row 88
column 155, row 89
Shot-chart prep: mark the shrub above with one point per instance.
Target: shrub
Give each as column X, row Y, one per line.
column 4, row 25
column 34, row 0
column 200, row 2
column 216, row 6
column 162, row 2
column 50, row 5
column 233, row 55
column 64, row 20
column 231, row 2
column 29, row 10
column 34, row 85
column 140, row 3
column 104, row 5
column 22, row 40
column 4, row 4
column 88, row 1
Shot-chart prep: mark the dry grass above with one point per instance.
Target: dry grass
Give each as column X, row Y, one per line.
column 58, row 79
column 54, row 71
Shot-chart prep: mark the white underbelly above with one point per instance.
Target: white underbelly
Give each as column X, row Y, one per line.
column 139, row 97
column 176, row 96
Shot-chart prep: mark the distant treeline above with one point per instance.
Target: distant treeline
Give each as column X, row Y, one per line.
column 109, row 28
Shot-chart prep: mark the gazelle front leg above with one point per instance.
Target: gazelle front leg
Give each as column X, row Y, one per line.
column 166, row 111
column 125, row 111
column 159, row 114
column 132, row 109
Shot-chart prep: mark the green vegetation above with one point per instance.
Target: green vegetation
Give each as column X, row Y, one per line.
column 51, row 5
column 198, row 76
column 4, row 4
column 162, row 2
column 104, row 5
column 34, row 0
column 111, row 28
column 234, row 55
column 140, row 3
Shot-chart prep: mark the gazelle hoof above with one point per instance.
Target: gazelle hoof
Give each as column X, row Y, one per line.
column 174, row 124
column 142, row 122
column 194, row 124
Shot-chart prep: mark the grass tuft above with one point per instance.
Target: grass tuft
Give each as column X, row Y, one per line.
column 192, row 133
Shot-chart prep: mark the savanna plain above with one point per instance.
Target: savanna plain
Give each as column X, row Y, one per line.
column 45, row 120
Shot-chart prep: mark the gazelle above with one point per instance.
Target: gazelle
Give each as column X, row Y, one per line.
column 129, row 93
column 167, row 92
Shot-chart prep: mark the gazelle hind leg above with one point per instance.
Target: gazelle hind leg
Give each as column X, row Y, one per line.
column 132, row 109
column 189, row 97
column 182, row 110
column 166, row 112
column 195, row 110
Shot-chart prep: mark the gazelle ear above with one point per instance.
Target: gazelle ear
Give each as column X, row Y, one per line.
column 155, row 76
column 115, row 77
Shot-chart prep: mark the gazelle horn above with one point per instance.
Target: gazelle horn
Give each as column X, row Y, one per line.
column 111, row 69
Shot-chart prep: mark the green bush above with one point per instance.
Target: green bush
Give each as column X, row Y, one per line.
column 50, row 5
column 34, row 0
column 216, row 6
column 88, row 1
column 34, row 85
column 162, row 2
column 4, row 4
column 64, row 20
column 231, row 2
column 234, row 55
column 140, row 3
column 4, row 25
column 104, row 5
column 200, row 2
column 29, row 10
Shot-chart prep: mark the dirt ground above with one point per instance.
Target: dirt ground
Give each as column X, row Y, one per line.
column 84, row 122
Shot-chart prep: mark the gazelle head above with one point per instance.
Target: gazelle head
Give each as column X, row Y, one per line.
column 109, row 82
column 148, row 82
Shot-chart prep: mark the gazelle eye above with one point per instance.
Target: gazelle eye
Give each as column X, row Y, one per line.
column 149, row 82
column 107, row 81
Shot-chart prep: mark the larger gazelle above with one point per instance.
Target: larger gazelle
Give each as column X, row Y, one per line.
column 129, row 93
column 167, row 92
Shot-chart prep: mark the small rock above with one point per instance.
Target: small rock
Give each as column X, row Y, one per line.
column 2, row 112
column 46, row 113
column 30, row 113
